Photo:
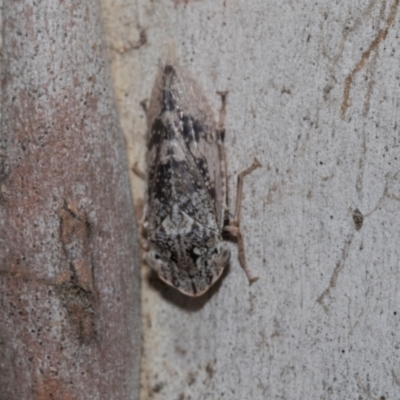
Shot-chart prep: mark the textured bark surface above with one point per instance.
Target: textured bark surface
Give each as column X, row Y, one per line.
column 69, row 266
column 314, row 94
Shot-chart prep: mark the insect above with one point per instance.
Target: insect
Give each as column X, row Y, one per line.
column 186, row 212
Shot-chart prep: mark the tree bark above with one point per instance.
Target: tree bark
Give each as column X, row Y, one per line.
column 69, row 265
column 314, row 95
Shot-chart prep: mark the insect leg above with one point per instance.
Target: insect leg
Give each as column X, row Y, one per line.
column 138, row 172
column 233, row 226
column 221, row 138
column 135, row 169
column 222, row 113
column 144, row 106
column 141, row 211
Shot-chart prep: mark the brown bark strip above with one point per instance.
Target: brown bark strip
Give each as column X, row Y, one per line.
column 69, row 268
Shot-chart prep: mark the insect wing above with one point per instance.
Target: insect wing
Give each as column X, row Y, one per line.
column 183, row 137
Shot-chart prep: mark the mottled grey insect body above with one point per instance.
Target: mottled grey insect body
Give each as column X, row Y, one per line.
column 186, row 199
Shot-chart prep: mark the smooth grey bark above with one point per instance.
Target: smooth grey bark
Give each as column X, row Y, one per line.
column 69, row 265
column 314, row 95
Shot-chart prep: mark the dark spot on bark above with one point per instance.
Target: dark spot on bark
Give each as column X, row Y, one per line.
column 358, row 219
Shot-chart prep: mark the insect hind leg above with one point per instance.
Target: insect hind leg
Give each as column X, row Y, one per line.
column 222, row 114
column 233, row 225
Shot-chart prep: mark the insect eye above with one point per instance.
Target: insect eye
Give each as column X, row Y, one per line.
column 157, row 256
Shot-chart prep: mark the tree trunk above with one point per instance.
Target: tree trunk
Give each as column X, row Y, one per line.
column 313, row 94
column 69, row 269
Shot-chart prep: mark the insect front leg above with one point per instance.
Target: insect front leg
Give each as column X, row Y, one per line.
column 141, row 211
column 233, row 226
column 144, row 244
